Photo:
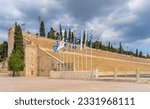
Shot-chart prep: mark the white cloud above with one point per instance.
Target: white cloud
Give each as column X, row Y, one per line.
column 115, row 20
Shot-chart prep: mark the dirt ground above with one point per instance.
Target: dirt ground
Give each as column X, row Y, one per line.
column 44, row 84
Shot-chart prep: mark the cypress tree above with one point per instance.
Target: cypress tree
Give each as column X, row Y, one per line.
column 42, row 29
column 84, row 35
column 69, row 35
column 96, row 44
column 72, row 37
column 65, row 35
column 18, row 41
column 60, row 32
column 16, row 59
column 57, row 36
column 51, row 34
column 137, row 53
column 120, row 48
column 140, row 54
column 109, row 46
column 3, row 51
column 147, row 55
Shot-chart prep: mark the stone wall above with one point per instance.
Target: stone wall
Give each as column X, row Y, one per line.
column 3, row 67
column 46, row 63
column 10, row 40
column 30, row 60
column 73, row 74
column 37, row 61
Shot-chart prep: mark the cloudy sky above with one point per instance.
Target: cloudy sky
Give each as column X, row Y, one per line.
column 127, row 21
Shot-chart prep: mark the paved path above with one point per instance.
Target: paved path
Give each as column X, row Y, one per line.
column 43, row 84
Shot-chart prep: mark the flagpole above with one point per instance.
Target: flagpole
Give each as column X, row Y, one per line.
column 74, row 60
column 86, row 50
column 70, row 54
column 74, row 49
column 79, row 60
column 86, row 58
column 57, row 61
column 82, row 58
column 81, row 53
column 91, row 59
column 63, row 60
column 91, row 51
column 67, row 59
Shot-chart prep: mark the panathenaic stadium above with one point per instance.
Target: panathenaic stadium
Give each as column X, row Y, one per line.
column 41, row 60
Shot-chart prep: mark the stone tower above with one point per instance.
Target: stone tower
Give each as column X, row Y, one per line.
column 10, row 40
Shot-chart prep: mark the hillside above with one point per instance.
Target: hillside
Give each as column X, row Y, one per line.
column 102, row 60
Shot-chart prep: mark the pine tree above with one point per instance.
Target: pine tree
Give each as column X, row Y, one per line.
column 96, row 44
column 69, row 35
column 84, row 35
column 120, row 48
column 3, row 51
column 109, row 46
column 51, row 34
column 16, row 59
column 137, row 53
column 140, row 54
column 42, row 29
column 60, row 32
column 18, row 41
column 147, row 55
column 57, row 36
column 65, row 35
column 15, row 63
column 72, row 37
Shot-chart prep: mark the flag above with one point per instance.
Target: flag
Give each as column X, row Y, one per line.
column 77, row 41
column 74, row 44
column 90, row 40
column 81, row 44
column 61, row 44
column 55, row 47
column 66, row 43
column 85, row 42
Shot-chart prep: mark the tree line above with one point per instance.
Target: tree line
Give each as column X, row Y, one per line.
column 97, row 44
column 3, row 51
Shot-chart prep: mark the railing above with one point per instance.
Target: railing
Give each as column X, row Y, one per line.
column 130, row 75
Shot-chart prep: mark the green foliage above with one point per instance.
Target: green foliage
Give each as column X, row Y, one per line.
column 84, row 35
column 65, row 34
column 3, row 51
column 148, row 55
column 109, row 46
column 42, row 29
column 72, row 37
column 61, row 36
column 57, row 36
column 120, row 50
column 140, row 54
column 15, row 62
column 97, row 45
column 69, row 35
column 51, row 34
column 18, row 40
column 137, row 53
